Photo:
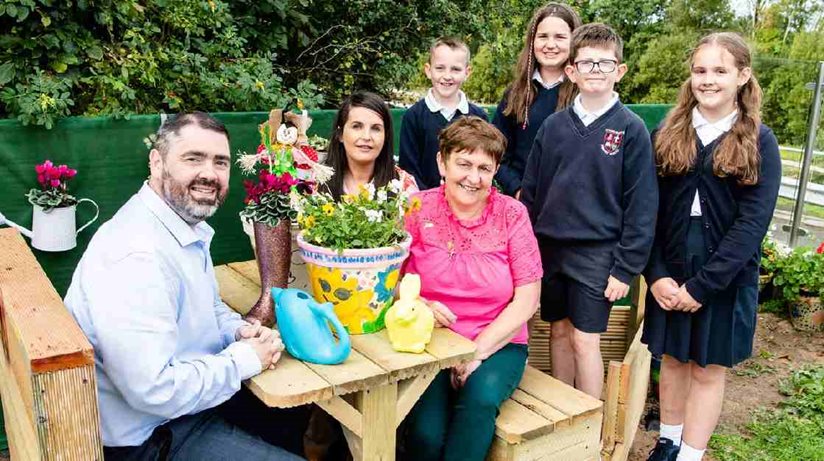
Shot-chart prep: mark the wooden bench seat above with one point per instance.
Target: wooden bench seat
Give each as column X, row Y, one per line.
column 547, row 420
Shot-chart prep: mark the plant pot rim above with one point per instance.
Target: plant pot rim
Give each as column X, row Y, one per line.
column 404, row 244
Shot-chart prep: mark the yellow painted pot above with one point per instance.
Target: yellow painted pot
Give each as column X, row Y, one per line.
column 359, row 283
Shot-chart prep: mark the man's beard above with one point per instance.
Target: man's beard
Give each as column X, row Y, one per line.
column 187, row 207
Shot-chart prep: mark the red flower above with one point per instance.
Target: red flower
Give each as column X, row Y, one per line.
column 820, row 249
column 261, row 148
column 51, row 176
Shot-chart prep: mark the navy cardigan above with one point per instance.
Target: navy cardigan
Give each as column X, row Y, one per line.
column 735, row 220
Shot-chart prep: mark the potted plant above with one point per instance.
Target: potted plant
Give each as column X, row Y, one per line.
column 800, row 276
column 53, row 218
column 771, row 254
column 354, row 250
column 283, row 165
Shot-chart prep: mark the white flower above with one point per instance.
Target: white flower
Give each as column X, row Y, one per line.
column 374, row 215
column 296, row 202
column 381, row 196
column 396, row 185
column 371, row 189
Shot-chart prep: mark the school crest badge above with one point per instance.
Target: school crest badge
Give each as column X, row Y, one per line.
column 612, row 141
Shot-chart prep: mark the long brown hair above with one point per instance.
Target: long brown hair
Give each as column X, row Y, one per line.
column 521, row 92
column 737, row 155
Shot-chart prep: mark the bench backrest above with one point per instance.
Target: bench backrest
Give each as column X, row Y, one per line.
column 49, row 390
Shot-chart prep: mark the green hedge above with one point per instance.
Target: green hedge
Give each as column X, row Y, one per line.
column 111, row 160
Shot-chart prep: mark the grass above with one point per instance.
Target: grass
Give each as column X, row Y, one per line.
column 790, row 432
column 815, row 211
column 793, row 172
column 818, row 160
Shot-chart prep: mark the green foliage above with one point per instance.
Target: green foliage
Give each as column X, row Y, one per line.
column 370, row 219
column 50, row 198
column 792, row 432
column 800, row 273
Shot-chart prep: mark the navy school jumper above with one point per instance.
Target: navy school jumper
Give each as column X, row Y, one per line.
column 735, row 219
column 519, row 138
column 419, row 141
column 594, row 184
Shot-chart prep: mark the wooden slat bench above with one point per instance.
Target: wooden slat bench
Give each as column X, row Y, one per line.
column 47, row 379
column 547, row 420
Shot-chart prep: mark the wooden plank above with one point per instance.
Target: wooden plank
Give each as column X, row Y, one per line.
column 290, row 384
column 236, row 291
column 552, row 415
column 450, row 348
column 67, row 418
column 557, row 394
column 20, row 429
column 53, row 339
column 248, row 269
column 400, row 365
column 356, row 373
column 516, row 423
column 577, row 441
column 637, row 363
column 345, row 413
column 611, row 405
column 378, row 408
column 409, row 391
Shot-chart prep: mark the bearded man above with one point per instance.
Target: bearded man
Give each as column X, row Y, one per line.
column 169, row 354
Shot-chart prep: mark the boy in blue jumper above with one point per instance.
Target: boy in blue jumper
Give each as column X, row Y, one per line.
column 448, row 68
column 590, row 187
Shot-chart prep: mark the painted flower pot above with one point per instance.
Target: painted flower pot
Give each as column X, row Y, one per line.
column 359, row 283
column 807, row 313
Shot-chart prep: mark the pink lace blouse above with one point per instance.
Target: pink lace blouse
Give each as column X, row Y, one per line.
column 472, row 267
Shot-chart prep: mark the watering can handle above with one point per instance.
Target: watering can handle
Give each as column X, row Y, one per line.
column 96, row 213
column 343, row 335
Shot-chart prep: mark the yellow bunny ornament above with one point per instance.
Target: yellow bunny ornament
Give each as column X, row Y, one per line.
column 409, row 321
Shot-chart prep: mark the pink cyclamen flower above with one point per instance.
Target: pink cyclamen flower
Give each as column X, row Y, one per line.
column 55, row 182
column 820, row 249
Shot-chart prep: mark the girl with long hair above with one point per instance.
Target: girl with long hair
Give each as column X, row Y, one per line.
column 538, row 90
column 719, row 171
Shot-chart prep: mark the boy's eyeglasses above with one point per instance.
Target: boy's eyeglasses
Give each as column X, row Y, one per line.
column 606, row 66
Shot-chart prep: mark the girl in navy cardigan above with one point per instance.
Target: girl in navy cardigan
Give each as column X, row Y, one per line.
column 719, row 172
column 539, row 89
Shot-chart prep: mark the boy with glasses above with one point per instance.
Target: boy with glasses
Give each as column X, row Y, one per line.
column 591, row 191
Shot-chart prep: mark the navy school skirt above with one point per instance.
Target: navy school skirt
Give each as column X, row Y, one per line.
column 720, row 333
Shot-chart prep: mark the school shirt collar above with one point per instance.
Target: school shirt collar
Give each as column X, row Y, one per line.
column 434, row 106
column 589, row 117
column 547, row 85
column 710, row 131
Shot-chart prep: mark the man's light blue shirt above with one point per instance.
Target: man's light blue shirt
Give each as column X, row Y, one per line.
column 146, row 296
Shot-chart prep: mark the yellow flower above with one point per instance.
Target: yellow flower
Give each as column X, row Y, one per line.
column 329, row 209
column 414, row 205
column 308, row 222
column 346, row 198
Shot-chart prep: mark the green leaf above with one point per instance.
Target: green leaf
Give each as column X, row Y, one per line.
column 95, row 52
column 45, row 20
column 6, row 72
column 11, row 10
column 59, row 66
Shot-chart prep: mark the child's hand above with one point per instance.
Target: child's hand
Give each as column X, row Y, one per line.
column 616, row 289
column 686, row 302
column 665, row 291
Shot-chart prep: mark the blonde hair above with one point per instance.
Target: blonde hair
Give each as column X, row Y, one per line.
column 521, row 91
column 737, row 155
column 452, row 43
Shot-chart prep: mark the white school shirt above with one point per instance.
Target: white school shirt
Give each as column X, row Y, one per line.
column 588, row 117
column 708, row 132
column 537, row 77
column 434, row 106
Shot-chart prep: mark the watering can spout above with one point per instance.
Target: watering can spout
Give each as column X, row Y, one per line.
column 20, row 228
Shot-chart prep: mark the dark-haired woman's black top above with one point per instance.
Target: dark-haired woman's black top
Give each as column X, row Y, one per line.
column 734, row 221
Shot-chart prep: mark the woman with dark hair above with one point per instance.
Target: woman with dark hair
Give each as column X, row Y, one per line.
column 361, row 147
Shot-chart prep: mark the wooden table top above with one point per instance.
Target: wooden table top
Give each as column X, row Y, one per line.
column 371, row 363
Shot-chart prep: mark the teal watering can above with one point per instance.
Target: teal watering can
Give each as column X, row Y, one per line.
column 304, row 327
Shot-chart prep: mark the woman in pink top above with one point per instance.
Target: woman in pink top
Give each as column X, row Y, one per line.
column 480, row 270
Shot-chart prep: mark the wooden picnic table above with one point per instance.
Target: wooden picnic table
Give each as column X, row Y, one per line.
column 369, row 394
